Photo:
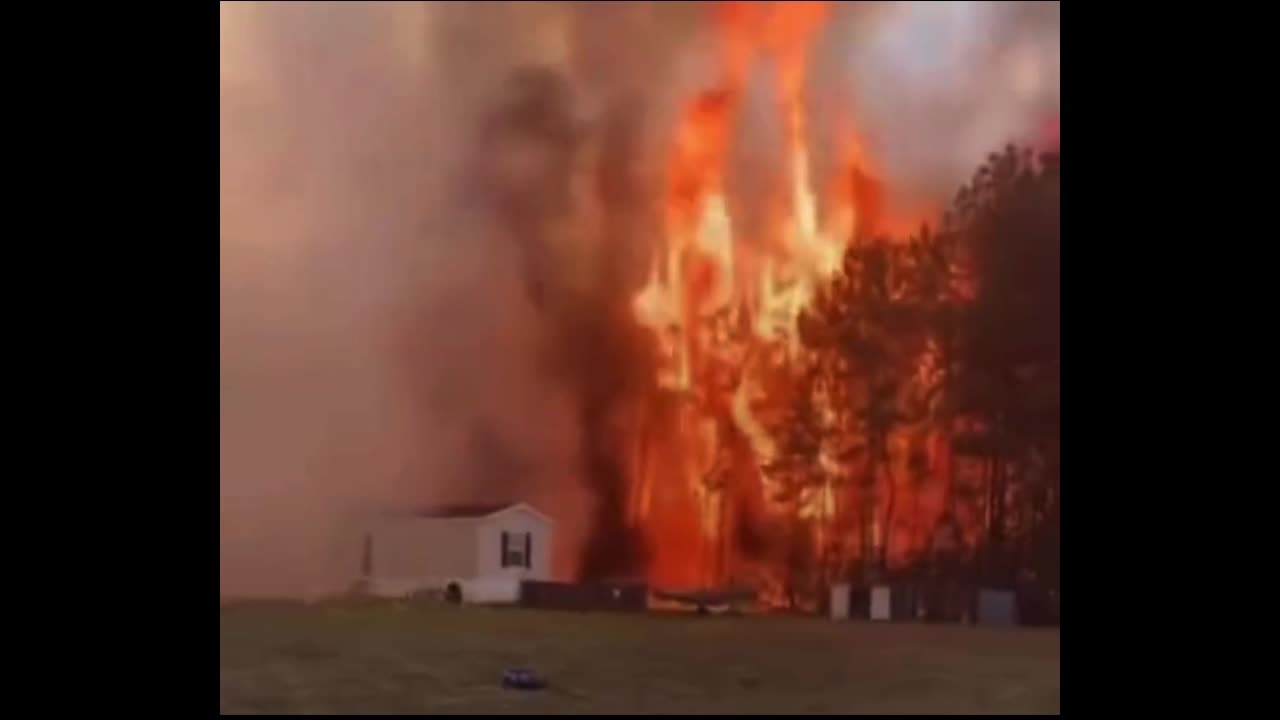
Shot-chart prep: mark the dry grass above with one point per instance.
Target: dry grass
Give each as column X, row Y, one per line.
column 386, row 659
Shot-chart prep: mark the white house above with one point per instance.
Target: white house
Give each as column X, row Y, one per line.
column 484, row 550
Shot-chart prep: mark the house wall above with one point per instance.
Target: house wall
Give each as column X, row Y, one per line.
column 413, row 553
column 516, row 519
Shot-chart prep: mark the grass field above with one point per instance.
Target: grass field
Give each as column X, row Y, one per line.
column 388, row 659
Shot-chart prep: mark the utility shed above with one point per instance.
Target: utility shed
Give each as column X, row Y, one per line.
column 485, row 550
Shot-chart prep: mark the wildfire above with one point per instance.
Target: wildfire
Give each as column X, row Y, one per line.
column 725, row 324
column 724, row 316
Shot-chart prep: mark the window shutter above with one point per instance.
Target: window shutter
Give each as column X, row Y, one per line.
column 502, row 559
column 528, row 545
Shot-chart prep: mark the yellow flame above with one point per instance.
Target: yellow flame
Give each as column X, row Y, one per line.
column 702, row 289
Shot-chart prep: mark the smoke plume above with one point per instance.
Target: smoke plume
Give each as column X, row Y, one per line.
column 936, row 86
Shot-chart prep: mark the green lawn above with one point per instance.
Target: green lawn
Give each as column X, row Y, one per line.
column 389, row 659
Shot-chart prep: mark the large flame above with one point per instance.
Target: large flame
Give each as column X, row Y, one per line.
column 718, row 323
column 724, row 319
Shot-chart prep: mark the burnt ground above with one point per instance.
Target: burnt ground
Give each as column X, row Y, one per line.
column 398, row 659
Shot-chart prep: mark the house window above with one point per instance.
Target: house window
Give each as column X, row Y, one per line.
column 516, row 549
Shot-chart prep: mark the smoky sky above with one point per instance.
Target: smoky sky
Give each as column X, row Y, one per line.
column 406, row 300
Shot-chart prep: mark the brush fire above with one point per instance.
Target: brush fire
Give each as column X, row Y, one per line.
column 782, row 388
column 708, row 463
column 793, row 429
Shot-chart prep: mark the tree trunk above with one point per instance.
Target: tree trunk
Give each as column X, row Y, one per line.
column 886, row 532
column 988, row 514
column 996, row 519
column 828, row 534
column 919, row 533
column 834, row 531
column 948, row 422
column 866, row 511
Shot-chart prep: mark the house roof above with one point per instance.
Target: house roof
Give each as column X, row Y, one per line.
column 462, row 511
column 476, row 510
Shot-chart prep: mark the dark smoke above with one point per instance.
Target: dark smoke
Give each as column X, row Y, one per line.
column 593, row 348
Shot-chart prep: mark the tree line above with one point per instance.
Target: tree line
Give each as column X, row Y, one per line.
column 930, row 406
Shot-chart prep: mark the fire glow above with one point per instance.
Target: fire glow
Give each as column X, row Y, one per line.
column 723, row 316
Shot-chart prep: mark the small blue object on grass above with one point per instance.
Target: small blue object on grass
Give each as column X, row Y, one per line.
column 521, row 679
column 998, row 608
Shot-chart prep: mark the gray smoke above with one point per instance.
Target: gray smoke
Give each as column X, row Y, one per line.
column 936, row 86
column 373, row 327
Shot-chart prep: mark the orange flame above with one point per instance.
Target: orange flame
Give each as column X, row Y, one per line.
column 725, row 324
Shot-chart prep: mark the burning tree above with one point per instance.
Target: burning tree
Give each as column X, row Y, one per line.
column 915, row 353
column 810, row 404
column 818, row 392
column 951, row 345
column 1008, row 386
